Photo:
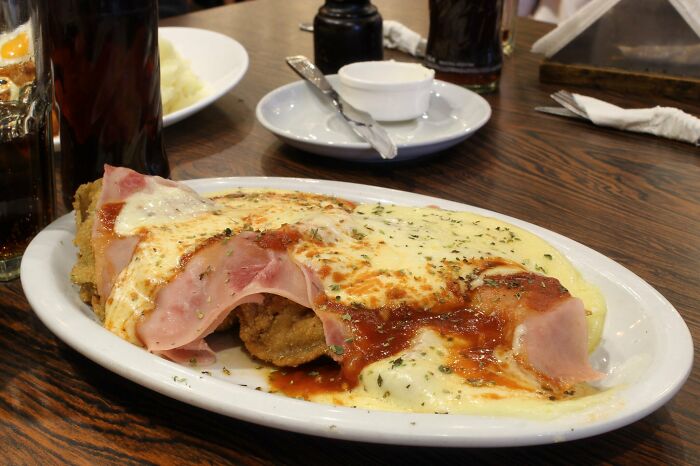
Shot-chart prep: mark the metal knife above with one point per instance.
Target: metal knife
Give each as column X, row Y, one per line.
column 361, row 122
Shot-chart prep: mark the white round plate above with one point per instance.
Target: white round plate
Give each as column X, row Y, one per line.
column 218, row 60
column 300, row 116
column 646, row 350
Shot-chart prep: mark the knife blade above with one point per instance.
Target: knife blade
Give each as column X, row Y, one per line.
column 361, row 122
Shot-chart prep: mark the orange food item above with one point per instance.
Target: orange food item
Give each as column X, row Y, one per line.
column 17, row 47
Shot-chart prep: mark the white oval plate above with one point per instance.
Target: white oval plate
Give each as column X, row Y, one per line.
column 218, row 60
column 646, row 348
column 300, row 116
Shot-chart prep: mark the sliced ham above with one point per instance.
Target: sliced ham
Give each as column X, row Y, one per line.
column 545, row 323
column 112, row 255
column 335, row 330
column 226, row 272
column 118, row 183
column 197, row 352
column 113, row 252
column 555, row 343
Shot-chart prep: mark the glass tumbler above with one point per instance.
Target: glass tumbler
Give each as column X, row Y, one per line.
column 26, row 171
column 107, row 81
column 464, row 42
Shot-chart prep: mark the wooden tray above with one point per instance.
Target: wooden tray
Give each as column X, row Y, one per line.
column 616, row 79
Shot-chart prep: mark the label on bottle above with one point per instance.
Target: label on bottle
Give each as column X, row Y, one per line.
column 449, row 66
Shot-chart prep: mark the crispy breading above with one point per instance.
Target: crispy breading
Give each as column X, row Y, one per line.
column 83, row 273
column 281, row 331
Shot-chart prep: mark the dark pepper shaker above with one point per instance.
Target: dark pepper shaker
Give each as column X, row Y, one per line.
column 346, row 31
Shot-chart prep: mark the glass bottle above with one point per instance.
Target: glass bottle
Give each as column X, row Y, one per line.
column 346, row 31
column 107, row 84
column 464, row 42
column 26, row 163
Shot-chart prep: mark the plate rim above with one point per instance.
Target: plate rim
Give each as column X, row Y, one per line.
column 335, row 422
column 349, row 145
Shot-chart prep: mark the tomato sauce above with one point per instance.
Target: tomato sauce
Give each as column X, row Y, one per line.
column 477, row 326
column 279, row 239
column 108, row 214
column 309, row 380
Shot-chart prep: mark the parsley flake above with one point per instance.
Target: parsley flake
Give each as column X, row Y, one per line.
column 396, row 363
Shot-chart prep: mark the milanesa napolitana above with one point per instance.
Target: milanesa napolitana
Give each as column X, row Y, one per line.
column 368, row 305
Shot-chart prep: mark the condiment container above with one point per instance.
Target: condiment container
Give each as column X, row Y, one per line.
column 387, row 90
column 346, row 31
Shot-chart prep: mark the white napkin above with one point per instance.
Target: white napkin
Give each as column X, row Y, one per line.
column 666, row 122
column 398, row 36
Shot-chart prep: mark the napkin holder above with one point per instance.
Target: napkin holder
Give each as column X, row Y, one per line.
column 650, row 47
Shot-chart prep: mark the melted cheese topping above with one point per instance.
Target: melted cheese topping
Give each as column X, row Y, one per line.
column 366, row 255
column 161, row 205
column 419, row 383
column 384, row 255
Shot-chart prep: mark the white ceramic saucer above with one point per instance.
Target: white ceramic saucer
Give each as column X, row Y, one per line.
column 300, row 116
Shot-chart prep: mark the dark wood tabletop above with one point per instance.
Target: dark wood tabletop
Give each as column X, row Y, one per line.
column 632, row 197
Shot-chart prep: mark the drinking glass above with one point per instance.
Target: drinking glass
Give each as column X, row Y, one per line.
column 464, row 42
column 107, row 79
column 26, row 172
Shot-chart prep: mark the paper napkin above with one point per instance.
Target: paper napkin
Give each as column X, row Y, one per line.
column 398, row 36
column 668, row 122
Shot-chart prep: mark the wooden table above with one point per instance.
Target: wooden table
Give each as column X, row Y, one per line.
column 634, row 198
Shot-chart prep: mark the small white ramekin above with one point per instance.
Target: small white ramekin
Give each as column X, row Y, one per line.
column 387, row 90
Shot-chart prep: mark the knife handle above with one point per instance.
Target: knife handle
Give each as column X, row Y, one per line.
column 307, row 70
column 363, row 124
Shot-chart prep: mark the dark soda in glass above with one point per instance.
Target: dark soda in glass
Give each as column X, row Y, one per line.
column 107, row 85
column 464, row 43
column 26, row 181
column 26, row 169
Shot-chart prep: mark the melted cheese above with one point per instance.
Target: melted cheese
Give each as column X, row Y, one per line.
column 415, row 251
column 161, row 205
column 419, row 385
